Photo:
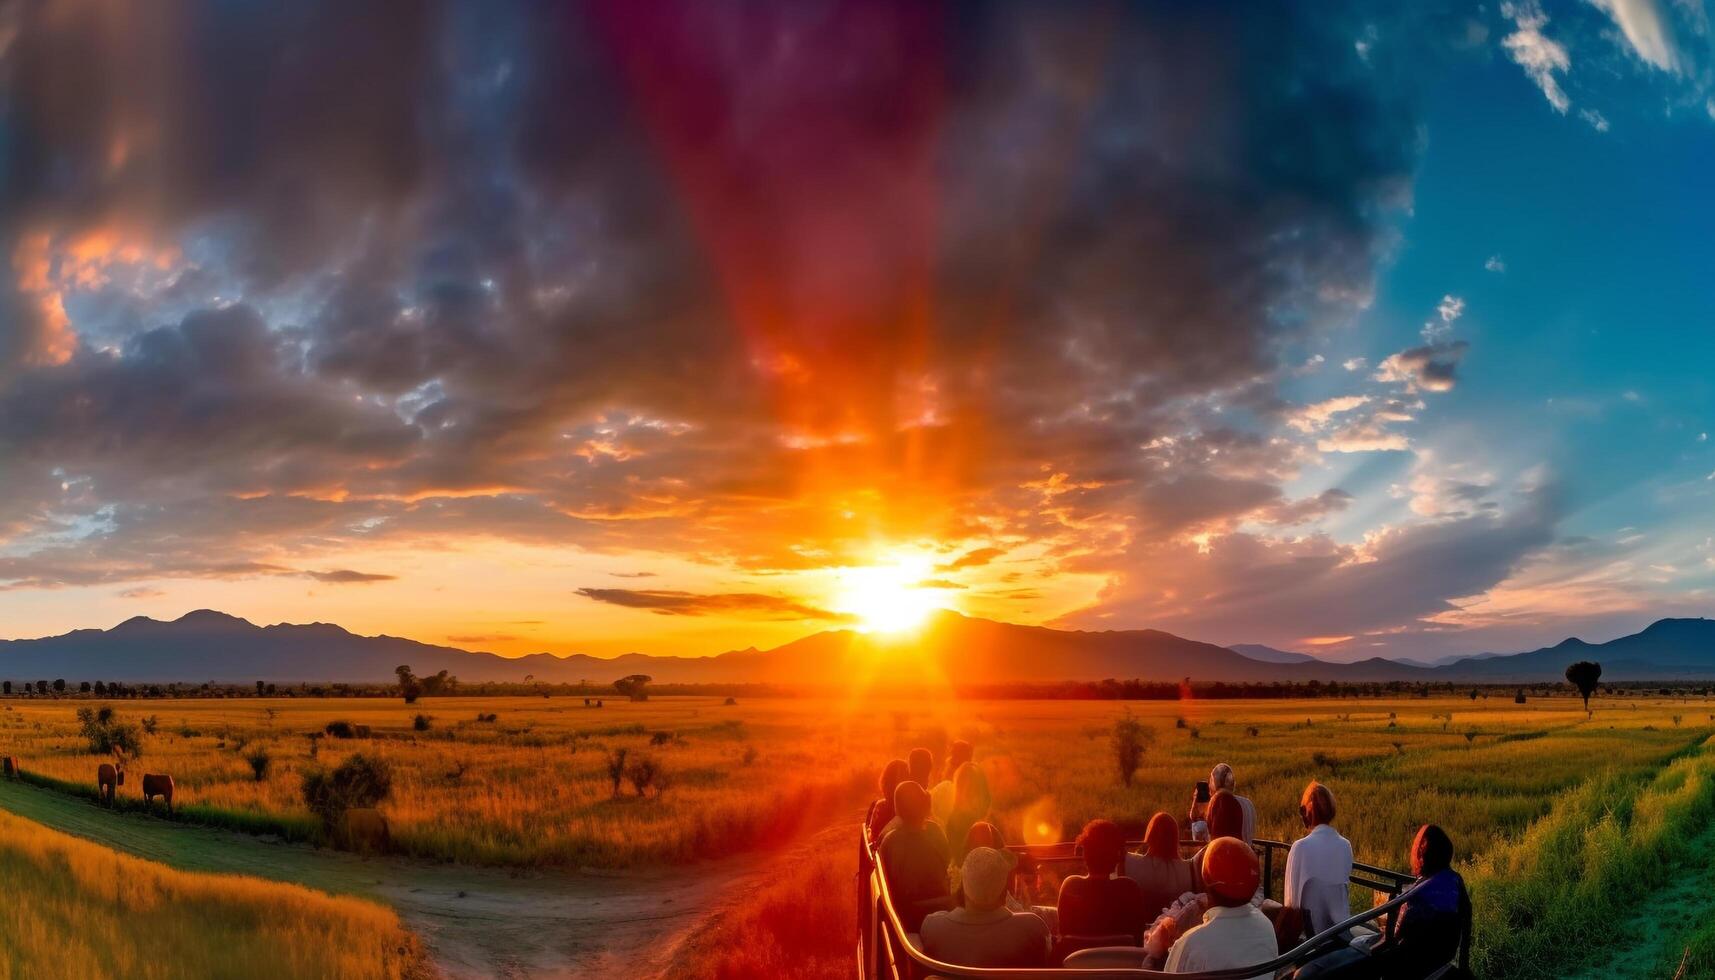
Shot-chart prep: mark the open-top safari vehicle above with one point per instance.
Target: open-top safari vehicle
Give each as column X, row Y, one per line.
column 886, row 951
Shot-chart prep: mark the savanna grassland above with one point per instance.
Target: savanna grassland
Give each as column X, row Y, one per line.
column 1563, row 823
column 78, row 910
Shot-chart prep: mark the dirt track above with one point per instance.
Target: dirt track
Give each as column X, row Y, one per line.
column 476, row 922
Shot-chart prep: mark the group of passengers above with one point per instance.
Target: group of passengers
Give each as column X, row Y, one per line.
column 971, row 901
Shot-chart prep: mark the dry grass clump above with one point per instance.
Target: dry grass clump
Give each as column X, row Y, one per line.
column 77, row 910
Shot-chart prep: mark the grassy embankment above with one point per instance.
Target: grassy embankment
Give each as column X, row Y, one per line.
column 75, row 909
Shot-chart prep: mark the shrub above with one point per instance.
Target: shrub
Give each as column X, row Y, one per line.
column 421, row 723
column 643, row 772
column 660, row 738
column 259, row 760
column 359, row 781
column 106, row 735
column 616, row 767
column 749, row 755
column 730, row 702
column 340, row 729
column 1128, row 740
column 149, row 723
column 489, row 718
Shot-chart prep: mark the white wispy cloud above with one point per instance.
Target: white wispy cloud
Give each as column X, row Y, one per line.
column 1647, row 30
column 1540, row 56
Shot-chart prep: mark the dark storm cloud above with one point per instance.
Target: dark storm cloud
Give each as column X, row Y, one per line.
column 673, row 603
column 657, row 274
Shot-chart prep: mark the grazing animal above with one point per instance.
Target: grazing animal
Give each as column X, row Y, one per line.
column 12, row 767
column 158, row 784
column 108, row 777
column 365, row 829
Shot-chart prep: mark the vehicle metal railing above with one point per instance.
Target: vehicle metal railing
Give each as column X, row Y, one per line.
column 884, row 952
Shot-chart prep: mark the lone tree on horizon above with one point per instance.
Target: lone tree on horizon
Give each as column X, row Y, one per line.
column 1583, row 675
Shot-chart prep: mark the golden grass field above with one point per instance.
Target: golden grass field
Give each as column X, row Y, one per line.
column 76, row 910
column 532, row 788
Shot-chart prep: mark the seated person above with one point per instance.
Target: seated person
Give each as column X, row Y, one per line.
column 1318, row 870
column 971, row 802
column 1234, row 933
column 1221, row 778
column 913, row 858
column 1099, row 904
column 941, row 795
column 881, row 811
column 983, row 931
column 921, row 763
column 1427, row 930
column 1159, row 871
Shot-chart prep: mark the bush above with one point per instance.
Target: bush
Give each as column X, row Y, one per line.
column 489, row 718
column 259, row 760
column 421, row 723
column 359, row 781
column 643, row 772
column 1128, row 740
column 616, row 767
column 106, row 735
column 341, row 729
column 660, row 738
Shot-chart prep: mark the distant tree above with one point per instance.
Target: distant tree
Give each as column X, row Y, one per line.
column 1583, row 675
column 59, row 685
column 440, row 682
column 7, row 687
column 259, row 760
column 409, row 687
column 1128, row 740
column 643, row 772
column 106, row 734
column 1519, row 697
column 270, row 690
column 421, row 723
column 84, row 687
column 634, row 686
column 41, row 687
column 260, row 688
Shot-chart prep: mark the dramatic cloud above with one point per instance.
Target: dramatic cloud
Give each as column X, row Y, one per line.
column 1430, row 367
column 673, row 603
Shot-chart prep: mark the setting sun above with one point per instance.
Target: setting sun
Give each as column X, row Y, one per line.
column 890, row 598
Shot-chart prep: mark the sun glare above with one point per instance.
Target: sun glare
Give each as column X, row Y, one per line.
column 887, row 598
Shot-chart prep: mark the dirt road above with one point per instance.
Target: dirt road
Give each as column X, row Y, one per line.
column 476, row 922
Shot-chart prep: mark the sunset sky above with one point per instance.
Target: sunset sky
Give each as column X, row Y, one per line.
column 683, row 327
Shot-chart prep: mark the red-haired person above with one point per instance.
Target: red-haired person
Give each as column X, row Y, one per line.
column 1425, row 936
column 1161, row 874
column 1098, row 903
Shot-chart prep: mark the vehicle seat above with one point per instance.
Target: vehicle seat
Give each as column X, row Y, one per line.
column 1126, row 957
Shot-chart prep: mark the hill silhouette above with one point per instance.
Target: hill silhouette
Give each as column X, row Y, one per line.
column 212, row 646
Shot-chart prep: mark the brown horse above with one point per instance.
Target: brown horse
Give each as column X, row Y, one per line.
column 157, row 784
column 108, row 777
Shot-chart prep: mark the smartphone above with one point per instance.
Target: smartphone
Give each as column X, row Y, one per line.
column 1202, row 791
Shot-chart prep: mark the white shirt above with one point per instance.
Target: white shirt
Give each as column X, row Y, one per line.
column 1227, row 938
column 1318, row 873
column 1200, row 828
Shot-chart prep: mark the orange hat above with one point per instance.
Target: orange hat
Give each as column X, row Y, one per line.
column 1230, row 869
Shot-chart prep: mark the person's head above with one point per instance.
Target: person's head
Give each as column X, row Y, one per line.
column 958, row 754
column 1231, row 872
column 1161, row 840
column 1316, row 806
column 895, row 773
column 983, row 878
column 984, row 834
column 1221, row 777
column 971, row 789
column 1103, row 844
column 1431, row 851
column 922, row 765
column 911, row 804
column 1226, row 816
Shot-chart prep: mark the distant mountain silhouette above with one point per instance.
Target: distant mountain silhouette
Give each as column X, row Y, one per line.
column 1269, row 655
column 213, row 646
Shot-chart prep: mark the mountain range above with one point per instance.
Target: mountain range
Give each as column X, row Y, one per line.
column 211, row 646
